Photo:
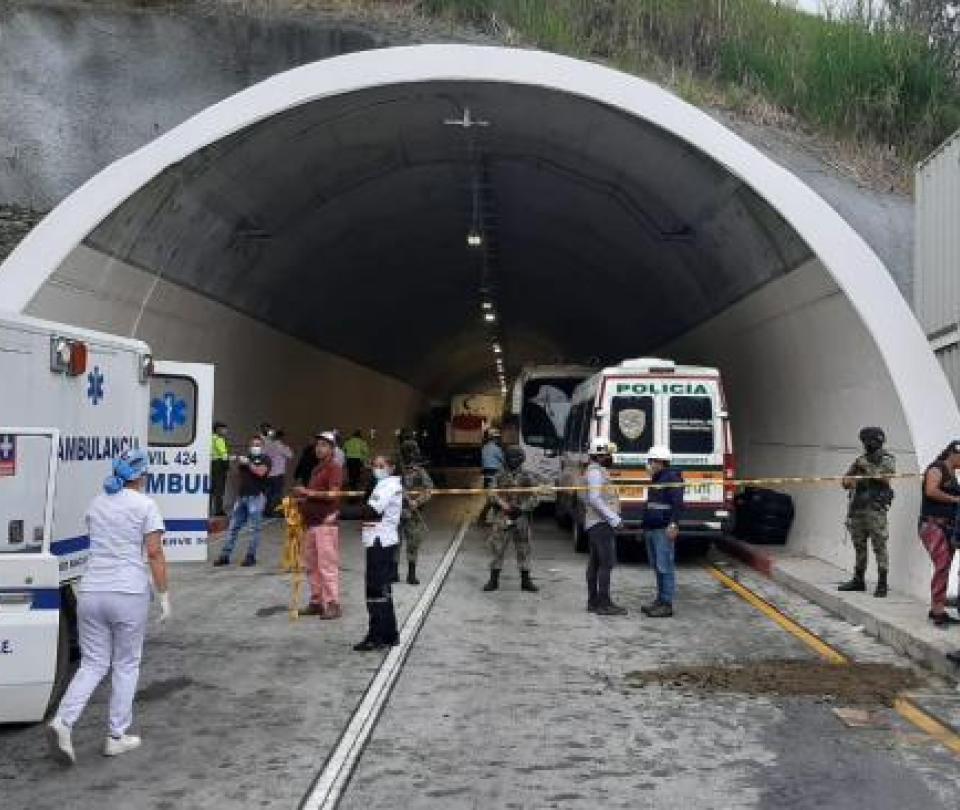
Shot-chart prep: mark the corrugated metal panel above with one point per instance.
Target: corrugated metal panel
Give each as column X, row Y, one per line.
column 950, row 360
column 937, row 265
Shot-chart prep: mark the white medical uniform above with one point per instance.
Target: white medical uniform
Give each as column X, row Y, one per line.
column 113, row 604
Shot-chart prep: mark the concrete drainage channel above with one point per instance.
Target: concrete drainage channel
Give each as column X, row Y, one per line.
column 330, row 783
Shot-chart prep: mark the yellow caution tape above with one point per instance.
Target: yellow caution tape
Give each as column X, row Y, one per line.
column 631, row 485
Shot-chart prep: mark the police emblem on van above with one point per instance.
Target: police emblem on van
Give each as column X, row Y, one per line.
column 632, row 423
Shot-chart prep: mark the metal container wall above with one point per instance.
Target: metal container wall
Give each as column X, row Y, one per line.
column 937, row 259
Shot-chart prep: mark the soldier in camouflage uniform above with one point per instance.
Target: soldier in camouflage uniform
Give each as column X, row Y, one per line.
column 511, row 520
column 413, row 528
column 870, row 498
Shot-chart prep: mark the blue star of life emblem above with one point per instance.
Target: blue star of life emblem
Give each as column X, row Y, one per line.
column 95, row 385
column 168, row 411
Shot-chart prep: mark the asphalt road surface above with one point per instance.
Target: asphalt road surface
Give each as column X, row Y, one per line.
column 505, row 700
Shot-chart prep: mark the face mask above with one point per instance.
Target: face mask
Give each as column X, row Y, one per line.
column 380, row 473
column 255, row 450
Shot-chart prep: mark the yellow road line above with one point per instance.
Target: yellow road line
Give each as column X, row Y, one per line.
column 813, row 641
column 903, row 705
column 945, row 735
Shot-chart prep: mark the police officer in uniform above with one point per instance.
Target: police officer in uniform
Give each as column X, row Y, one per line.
column 416, row 492
column 870, row 498
column 511, row 519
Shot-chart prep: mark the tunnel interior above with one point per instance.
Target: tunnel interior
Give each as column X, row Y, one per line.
column 345, row 223
column 310, row 237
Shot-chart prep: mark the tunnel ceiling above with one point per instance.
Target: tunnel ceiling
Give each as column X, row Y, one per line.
column 343, row 222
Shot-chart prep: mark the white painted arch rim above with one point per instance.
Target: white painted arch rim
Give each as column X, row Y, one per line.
column 929, row 408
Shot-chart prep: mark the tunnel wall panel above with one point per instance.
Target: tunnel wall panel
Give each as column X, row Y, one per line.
column 802, row 376
column 261, row 373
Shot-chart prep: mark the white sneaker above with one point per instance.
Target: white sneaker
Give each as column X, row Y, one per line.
column 61, row 746
column 115, row 747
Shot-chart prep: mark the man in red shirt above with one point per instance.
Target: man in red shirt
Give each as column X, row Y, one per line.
column 321, row 545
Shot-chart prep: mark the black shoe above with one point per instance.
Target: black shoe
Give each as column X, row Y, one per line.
column 526, row 584
column 221, row 560
column 942, row 620
column 591, row 607
column 312, row 609
column 610, row 609
column 645, row 609
column 248, row 561
column 494, row 582
column 881, row 590
column 412, row 574
column 660, row 611
column 367, row 645
column 855, row 583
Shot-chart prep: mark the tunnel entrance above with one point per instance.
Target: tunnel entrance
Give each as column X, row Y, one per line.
column 348, row 240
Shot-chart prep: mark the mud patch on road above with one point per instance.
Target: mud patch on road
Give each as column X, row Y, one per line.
column 864, row 684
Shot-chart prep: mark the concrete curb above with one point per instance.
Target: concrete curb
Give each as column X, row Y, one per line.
column 917, row 649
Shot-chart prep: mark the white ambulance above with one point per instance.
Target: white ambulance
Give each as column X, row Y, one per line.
column 535, row 414
column 636, row 405
column 71, row 400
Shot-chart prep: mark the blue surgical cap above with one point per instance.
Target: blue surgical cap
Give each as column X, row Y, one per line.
column 129, row 466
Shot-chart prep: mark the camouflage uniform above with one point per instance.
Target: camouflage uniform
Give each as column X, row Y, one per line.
column 413, row 528
column 504, row 529
column 869, row 502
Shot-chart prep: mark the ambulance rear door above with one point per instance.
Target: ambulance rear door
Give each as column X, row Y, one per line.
column 179, row 432
column 33, row 646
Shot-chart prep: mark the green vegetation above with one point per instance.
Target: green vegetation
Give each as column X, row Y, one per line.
column 878, row 83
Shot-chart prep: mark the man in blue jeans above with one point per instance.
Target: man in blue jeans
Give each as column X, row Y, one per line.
column 251, row 501
column 661, row 529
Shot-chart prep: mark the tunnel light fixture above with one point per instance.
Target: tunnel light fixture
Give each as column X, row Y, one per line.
column 489, row 317
column 486, row 305
column 474, row 239
column 496, row 348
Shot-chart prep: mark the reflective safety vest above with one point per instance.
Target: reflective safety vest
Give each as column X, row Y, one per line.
column 218, row 449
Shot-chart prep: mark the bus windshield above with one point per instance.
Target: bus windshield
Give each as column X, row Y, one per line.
column 546, row 405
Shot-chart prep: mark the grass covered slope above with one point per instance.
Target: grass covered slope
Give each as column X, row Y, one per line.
column 875, row 84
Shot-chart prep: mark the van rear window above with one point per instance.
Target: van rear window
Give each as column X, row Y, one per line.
column 691, row 425
column 631, row 423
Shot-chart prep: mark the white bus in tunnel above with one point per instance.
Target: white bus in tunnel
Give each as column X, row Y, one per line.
column 535, row 414
column 73, row 400
column 639, row 404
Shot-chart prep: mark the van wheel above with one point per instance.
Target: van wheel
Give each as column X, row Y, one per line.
column 61, row 675
column 579, row 538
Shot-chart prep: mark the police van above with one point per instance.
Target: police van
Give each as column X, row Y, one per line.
column 636, row 405
column 71, row 401
column 535, row 415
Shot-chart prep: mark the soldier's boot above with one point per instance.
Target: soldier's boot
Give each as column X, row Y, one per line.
column 855, row 583
column 494, row 582
column 412, row 574
column 526, row 584
column 881, row 590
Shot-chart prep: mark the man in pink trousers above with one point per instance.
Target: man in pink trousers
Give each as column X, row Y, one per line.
column 321, row 543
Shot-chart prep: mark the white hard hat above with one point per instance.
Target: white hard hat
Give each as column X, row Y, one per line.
column 601, row 447
column 328, row 436
column 660, row 453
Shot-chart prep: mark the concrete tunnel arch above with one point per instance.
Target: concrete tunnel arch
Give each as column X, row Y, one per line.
column 810, row 351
